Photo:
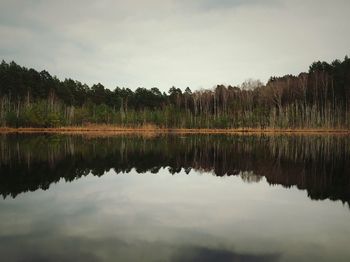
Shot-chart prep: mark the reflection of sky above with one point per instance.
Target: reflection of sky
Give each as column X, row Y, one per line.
column 172, row 218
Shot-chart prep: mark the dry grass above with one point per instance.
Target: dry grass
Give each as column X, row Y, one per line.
column 151, row 129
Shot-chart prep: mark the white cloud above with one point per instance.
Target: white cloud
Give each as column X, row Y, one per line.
column 169, row 42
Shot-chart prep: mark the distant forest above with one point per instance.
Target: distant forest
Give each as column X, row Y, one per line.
column 317, row 99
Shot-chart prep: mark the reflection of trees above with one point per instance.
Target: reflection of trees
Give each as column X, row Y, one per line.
column 250, row 177
column 319, row 164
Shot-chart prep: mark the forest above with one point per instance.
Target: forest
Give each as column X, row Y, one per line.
column 319, row 98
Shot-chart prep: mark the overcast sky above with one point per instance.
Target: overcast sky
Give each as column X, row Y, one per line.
column 161, row 43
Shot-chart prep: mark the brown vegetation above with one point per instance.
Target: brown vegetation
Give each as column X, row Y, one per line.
column 110, row 129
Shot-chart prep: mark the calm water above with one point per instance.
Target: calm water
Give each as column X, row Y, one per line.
column 174, row 198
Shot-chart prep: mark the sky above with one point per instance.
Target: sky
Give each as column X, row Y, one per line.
column 164, row 43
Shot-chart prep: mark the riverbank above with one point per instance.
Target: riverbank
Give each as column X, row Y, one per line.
column 106, row 129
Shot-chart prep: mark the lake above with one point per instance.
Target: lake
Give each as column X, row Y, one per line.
column 174, row 197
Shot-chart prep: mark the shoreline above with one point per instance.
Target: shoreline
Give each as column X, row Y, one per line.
column 155, row 130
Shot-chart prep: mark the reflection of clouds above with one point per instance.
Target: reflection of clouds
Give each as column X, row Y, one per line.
column 62, row 248
column 162, row 217
column 207, row 255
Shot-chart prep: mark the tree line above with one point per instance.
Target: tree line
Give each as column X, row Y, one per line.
column 316, row 99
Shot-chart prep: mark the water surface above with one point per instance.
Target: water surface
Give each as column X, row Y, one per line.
column 174, row 198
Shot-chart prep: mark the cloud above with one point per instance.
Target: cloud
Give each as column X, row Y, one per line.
column 172, row 42
column 231, row 4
